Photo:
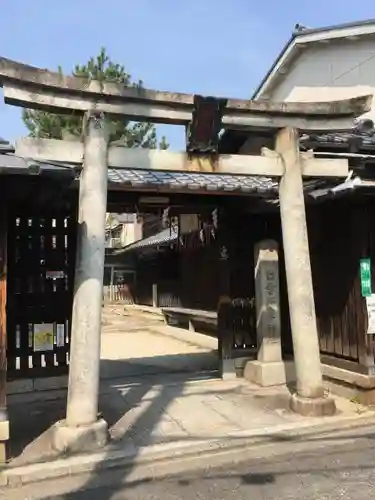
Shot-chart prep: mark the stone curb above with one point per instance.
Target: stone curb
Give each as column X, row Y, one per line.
column 117, row 458
column 195, row 339
column 148, row 310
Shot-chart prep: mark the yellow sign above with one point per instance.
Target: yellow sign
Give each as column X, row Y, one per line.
column 43, row 337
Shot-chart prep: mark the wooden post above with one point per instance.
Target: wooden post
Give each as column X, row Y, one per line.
column 111, row 295
column 310, row 398
column 4, row 421
column 224, row 323
column 155, row 299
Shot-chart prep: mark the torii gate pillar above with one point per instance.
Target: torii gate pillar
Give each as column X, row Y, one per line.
column 82, row 429
column 310, row 399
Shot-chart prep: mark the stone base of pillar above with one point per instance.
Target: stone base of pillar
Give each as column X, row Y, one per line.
column 191, row 326
column 313, row 407
column 80, row 439
column 4, row 438
column 227, row 369
column 3, row 452
column 4, row 430
column 265, row 374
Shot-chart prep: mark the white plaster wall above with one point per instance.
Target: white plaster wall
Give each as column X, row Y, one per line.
column 131, row 232
column 330, row 71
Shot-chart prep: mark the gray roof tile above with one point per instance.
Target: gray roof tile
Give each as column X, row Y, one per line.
column 193, row 181
column 162, row 238
column 361, row 138
column 159, row 180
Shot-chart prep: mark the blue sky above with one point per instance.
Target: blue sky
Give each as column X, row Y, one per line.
column 211, row 47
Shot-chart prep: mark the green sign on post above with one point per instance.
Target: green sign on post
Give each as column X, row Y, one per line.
column 365, row 275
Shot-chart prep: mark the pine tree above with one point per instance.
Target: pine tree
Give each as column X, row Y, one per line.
column 53, row 126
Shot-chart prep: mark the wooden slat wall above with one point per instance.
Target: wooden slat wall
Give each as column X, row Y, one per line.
column 339, row 237
column 199, row 277
column 39, row 243
column 3, row 293
column 341, row 232
column 169, row 293
column 149, row 270
column 122, row 294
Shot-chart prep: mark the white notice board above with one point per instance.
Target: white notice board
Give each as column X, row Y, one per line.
column 370, row 303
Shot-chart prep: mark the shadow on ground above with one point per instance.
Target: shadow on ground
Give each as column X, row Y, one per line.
column 31, row 422
column 306, row 472
column 247, row 473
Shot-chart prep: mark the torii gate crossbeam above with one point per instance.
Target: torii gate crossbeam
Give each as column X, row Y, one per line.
column 32, row 87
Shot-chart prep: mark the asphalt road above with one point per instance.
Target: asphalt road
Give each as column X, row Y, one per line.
column 330, row 468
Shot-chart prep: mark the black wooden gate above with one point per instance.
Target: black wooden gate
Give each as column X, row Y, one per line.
column 41, row 257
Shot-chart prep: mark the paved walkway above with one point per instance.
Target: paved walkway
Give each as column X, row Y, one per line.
column 139, row 343
column 152, row 393
column 332, row 467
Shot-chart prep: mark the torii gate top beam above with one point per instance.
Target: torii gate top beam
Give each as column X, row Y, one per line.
column 32, row 87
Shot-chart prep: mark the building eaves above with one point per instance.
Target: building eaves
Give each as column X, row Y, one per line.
column 361, row 24
column 163, row 238
column 360, row 139
column 343, row 189
column 13, row 164
column 210, row 183
column 303, row 36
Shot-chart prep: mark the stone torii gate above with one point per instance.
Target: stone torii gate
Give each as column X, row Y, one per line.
column 41, row 89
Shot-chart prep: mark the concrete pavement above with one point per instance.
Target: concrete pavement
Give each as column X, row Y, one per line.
column 330, row 466
column 135, row 343
column 159, row 418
